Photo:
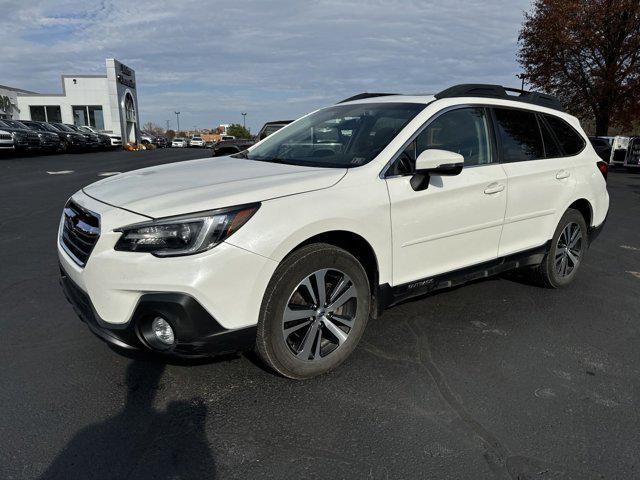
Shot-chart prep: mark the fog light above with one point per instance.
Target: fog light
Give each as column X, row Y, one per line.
column 163, row 331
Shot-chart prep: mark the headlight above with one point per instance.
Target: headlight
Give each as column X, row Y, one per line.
column 185, row 234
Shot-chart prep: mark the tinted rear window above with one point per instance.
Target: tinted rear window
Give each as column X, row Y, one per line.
column 519, row 135
column 571, row 141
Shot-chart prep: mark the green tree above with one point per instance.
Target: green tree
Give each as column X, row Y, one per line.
column 238, row 131
column 586, row 52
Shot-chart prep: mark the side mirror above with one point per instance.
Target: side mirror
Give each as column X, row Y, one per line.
column 435, row 162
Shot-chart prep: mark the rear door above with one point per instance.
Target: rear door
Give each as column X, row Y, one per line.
column 456, row 221
column 541, row 178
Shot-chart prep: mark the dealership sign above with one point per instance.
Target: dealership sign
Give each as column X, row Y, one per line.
column 5, row 104
column 126, row 76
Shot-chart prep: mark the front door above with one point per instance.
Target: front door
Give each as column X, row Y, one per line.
column 457, row 221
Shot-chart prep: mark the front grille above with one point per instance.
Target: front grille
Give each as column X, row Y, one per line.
column 5, row 136
column 80, row 232
column 30, row 138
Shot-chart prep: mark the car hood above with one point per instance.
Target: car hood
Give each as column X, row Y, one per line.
column 206, row 184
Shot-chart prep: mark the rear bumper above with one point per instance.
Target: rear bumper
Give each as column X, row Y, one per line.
column 197, row 333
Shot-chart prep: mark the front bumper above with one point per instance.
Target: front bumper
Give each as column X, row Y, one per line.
column 227, row 283
column 197, row 333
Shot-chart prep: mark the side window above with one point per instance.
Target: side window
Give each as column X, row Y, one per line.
column 519, row 134
column 571, row 141
column 551, row 147
column 464, row 131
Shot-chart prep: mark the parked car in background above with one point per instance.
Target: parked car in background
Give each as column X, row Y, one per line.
column 271, row 127
column 209, row 144
column 74, row 141
column 90, row 143
column 161, row 142
column 147, row 138
column 43, row 128
column 291, row 250
column 179, row 143
column 229, row 147
column 227, row 137
column 602, row 148
column 196, row 142
column 619, row 146
column 93, row 141
column 6, row 141
column 632, row 159
column 49, row 141
column 115, row 140
column 105, row 140
column 23, row 138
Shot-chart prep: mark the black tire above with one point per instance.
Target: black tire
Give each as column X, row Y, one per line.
column 550, row 275
column 277, row 350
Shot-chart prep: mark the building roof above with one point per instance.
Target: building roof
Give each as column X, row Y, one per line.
column 17, row 90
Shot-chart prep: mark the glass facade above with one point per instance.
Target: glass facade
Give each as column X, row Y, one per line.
column 88, row 115
column 53, row 113
column 48, row 113
column 37, row 113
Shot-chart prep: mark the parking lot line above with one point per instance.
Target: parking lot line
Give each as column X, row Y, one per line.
column 60, row 172
column 108, row 174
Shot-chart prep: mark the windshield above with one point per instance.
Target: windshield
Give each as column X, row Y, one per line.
column 14, row 124
column 63, row 127
column 35, row 126
column 338, row 136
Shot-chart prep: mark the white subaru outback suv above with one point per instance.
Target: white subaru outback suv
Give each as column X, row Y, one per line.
column 291, row 246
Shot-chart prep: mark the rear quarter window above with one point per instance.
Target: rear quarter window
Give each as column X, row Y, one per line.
column 571, row 141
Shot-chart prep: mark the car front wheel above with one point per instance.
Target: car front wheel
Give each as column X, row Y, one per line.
column 314, row 311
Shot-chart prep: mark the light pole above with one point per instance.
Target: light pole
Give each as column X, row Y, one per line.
column 244, row 118
column 521, row 76
column 178, row 120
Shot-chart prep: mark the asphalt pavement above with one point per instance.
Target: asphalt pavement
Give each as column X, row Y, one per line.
column 496, row 379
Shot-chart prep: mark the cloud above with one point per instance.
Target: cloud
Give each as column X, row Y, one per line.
column 274, row 59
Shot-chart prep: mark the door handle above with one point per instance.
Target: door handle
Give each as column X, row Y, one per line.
column 562, row 174
column 493, row 188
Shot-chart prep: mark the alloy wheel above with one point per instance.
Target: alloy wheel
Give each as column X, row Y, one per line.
column 568, row 250
column 320, row 314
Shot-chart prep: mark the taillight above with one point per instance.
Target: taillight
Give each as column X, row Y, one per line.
column 604, row 168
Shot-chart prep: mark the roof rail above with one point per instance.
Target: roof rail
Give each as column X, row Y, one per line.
column 362, row 96
column 498, row 91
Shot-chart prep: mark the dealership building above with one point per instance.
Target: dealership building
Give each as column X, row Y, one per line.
column 107, row 102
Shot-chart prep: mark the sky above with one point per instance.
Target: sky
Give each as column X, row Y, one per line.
column 272, row 59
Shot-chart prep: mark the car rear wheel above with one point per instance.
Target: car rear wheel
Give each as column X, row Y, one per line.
column 314, row 311
column 566, row 253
